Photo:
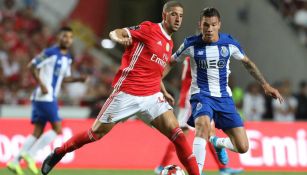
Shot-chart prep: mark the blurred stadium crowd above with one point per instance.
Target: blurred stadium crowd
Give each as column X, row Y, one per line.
column 295, row 13
column 23, row 35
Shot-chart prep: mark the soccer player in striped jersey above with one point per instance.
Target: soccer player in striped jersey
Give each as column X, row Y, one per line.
column 50, row 69
column 137, row 88
column 183, row 116
column 210, row 54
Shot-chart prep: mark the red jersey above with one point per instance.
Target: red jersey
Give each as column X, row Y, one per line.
column 144, row 60
column 186, row 79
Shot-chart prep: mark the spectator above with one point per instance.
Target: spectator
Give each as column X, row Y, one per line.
column 301, row 112
column 253, row 103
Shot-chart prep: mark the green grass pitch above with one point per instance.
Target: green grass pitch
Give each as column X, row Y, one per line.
column 134, row 172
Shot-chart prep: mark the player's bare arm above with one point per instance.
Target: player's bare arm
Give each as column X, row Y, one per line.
column 72, row 79
column 255, row 72
column 121, row 36
column 35, row 73
column 167, row 95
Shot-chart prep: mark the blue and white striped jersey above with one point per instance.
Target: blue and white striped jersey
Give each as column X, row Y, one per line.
column 210, row 63
column 53, row 66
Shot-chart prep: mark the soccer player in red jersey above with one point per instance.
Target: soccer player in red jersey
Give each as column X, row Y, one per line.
column 183, row 116
column 137, row 88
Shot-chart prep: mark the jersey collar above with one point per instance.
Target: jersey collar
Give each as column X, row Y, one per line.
column 164, row 32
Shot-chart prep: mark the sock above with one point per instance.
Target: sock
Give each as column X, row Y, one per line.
column 199, row 149
column 30, row 140
column 216, row 159
column 184, row 151
column 168, row 154
column 226, row 143
column 42, row 141
column 77, row 141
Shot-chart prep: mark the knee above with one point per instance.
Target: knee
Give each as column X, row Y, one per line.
column 58, row 131
column 202, row 128
column 243, row 147
column 98, row 133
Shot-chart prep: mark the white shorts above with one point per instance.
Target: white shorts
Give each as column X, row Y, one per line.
column 120, row 106
column 183, row 116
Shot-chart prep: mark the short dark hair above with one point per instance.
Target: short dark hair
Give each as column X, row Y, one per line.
column 65, row 29
column 210, row 12
column 167, row 6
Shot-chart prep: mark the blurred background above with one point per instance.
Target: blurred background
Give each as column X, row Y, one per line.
column 273, row 33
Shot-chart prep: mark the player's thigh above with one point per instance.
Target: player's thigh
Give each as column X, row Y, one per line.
column 101, row 129
column 238, row 138
column 212, row 128
column 166, row 123
column 38, row 129
column 57, row 127
column 119, row 106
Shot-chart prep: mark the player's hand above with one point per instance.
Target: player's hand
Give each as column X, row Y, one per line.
column 169, row 98
column 270, row 91
column 125, row 41
column 44, row 89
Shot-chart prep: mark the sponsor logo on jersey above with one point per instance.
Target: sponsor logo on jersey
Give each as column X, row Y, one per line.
column 159, row 43
column 212, row 64
column 158, row 60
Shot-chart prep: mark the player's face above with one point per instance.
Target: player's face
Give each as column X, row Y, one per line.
column 173, row 19
column 210, row 27
column 65, row 39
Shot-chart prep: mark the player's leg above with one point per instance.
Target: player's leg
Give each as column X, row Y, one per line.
column 13, row 165
column 231, row 123
column 118, row 107
column 182, row 117
column 96, row 132
column 202, row 129
column 51, row 114
column 167, row 124
column 224, row 169
column 237, row 141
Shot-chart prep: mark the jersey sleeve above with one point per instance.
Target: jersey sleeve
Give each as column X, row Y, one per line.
column 41, row 59
column 236, row 50
column 140, row 32
column 185, row 50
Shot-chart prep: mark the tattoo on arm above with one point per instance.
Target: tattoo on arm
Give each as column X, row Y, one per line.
column 254, row 71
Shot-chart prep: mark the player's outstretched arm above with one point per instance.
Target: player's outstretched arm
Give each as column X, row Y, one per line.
column 72, row 79
column 255, row 72
column 121, row 36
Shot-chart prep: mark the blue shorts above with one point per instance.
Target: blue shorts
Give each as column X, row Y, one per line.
column 221, row 109
column 42, row 112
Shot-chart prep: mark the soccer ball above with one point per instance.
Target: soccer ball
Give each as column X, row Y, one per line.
column 172, row 170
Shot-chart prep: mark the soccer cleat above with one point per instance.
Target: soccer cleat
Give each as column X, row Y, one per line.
column 30, row 162
column 15, row 168
column 230, row 171
column 220, row 152
column 51, row 160
column 158, row 169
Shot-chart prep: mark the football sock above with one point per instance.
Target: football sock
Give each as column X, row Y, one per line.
column 199, row 149
column 212, row 150
column 25, row 147
column 168, row 154
column 77, row 141
column 184, row 151
column 42, row 141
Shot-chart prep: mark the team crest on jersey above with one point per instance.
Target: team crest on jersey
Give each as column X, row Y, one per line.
column 224, row 51
column 167, row 47
column 199, row 106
